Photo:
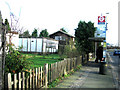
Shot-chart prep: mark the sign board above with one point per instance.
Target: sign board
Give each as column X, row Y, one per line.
column 50, row 44
column 104, row 44
column 101, row 31
column 101, row 19
column 104, row 53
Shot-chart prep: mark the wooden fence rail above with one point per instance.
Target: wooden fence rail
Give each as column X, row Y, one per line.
column 42, row 76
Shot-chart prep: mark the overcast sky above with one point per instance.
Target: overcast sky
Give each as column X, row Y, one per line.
column 55, row 14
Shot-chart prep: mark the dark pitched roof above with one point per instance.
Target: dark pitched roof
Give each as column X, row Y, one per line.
column 62, row 32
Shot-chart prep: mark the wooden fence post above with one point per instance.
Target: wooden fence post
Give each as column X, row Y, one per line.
column 41, row 79
column 56, row 70
column 46, row 75
column 23, row 80
column 36, row 79
column 33, row 79
column 61, row 68
column 20, row 80
column 68, row 65
column 10, row 83
column 65, row 67
column 30, row 78
column 51, row 72
column 27, row 82
column 15, row 81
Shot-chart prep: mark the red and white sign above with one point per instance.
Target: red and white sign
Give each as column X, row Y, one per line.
column 101, row 19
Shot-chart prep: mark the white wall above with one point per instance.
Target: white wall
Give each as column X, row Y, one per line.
column 14, row 39
column 38, row 44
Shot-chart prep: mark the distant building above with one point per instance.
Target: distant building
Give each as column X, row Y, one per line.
column 38, row 45
column 62, row 37
column 14, row 38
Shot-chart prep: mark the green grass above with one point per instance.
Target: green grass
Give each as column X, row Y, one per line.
column 40, row 60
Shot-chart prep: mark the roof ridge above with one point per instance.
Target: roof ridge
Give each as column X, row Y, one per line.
column 62, row 32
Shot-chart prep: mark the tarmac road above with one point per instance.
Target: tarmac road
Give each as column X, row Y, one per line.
column 115, row 65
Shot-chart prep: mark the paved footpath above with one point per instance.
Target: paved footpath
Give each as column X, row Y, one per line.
column 89, row 77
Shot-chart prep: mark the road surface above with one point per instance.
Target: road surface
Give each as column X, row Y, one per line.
column 114, row 62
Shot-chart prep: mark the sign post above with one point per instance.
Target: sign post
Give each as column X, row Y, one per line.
column 101, row 32
column 101, row 19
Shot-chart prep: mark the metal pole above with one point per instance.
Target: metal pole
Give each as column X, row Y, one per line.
column 103, row 65
column 0, row 52
column 95, row 49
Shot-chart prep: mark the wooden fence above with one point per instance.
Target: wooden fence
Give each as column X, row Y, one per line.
column 42, row 76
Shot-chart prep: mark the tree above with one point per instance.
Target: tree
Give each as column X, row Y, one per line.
column 43, row 33
column 62, row 29
column 14, row 26
column 34, row 33
column 82, row 33
column 25, row 34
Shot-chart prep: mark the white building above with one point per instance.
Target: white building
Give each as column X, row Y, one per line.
column 38, row 45
column 14, row 38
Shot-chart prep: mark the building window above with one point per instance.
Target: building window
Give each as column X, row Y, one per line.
column 62, row 38
column 57, row 37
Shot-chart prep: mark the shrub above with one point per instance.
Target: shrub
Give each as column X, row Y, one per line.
column 15, row 62
column 70, row 50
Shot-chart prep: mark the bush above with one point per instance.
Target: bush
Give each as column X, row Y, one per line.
column 15, row 62
column 70, row 50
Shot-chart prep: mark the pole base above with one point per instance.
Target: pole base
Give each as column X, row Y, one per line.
column 103, row 68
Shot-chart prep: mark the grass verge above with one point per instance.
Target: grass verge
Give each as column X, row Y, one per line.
column 40, row 60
